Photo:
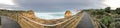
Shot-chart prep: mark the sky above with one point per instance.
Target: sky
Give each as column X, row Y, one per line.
column 45, row 7
column 55, row 5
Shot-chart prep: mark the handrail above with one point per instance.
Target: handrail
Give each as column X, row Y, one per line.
column 27, row 22
column 103, row 25
column 69, row 22
column 47, row 24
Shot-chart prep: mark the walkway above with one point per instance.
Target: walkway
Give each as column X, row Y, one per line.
column 85, row 22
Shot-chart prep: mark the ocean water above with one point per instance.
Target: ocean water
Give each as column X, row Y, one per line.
column 51, row 15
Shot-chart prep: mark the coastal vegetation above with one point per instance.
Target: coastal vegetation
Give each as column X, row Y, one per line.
column 105, row 18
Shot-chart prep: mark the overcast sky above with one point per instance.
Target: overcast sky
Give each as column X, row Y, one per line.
column 57, row 5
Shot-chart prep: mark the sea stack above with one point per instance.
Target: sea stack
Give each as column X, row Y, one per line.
column 67, row 13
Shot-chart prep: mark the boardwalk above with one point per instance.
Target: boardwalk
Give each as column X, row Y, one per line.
column 8, row 23
column 85, row 22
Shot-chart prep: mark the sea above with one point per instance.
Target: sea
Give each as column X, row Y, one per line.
column 52, row 15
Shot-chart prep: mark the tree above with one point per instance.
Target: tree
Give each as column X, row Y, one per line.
column 107, row 9
column 117, row 10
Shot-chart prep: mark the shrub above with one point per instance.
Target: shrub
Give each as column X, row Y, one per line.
column 117, row 10
column 107, row 20
column 107, row 9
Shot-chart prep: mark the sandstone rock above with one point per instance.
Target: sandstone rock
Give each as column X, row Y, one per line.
column 68, row 13
column 29, row 13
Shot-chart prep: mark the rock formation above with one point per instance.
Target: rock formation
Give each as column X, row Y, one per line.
column 67, row 13
column 29, row 13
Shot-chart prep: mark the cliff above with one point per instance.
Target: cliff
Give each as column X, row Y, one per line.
column 67, row 13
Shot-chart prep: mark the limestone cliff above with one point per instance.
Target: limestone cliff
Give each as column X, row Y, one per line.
column 29, row 13
column 67, row 13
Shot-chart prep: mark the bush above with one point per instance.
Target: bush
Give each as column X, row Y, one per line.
column 107, row 9
column 98, row 12
column 117, row 10
column 107, row 20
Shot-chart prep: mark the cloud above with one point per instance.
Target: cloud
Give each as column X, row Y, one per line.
column 58, row 5
column 6, row 6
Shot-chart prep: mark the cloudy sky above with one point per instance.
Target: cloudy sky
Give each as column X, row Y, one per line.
column 57, row 5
